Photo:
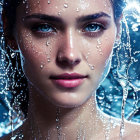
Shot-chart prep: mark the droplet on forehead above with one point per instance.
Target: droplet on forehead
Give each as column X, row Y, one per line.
column 65, row 5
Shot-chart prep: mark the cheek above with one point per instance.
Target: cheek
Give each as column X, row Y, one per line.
column 32, row 53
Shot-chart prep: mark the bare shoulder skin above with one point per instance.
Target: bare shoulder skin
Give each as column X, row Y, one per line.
column 132, row 131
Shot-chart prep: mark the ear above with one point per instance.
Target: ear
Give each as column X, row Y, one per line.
column 119, row 28
column 9, row 37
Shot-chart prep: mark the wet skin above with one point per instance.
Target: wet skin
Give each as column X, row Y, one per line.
column 66, row 35
column 56, row 39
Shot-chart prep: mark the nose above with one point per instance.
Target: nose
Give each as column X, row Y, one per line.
column 68, row 55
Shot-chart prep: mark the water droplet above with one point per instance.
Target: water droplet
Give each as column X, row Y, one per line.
column 101, row 53
column 91, row 66
column 57, row 120
column 13, row 55
column 86, row 57
column 66, row 5
column 97, row 47
column 49, row 60
column 134, row 41
column 59, row 13
column 77, row 10
column 99, row 42
column 48, row 43
column 41, row 66
column 49, row 1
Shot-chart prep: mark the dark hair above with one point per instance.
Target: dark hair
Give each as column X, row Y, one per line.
column 9, row 11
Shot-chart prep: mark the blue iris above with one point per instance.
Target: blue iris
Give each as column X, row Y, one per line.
column 43, row 28
column 93, row 28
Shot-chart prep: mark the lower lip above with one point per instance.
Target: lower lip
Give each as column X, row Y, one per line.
column 68, row 83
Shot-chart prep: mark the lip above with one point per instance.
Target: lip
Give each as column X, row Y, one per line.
column 68, row 80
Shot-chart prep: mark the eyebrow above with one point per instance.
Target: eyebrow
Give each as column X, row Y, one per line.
column 59, row 20
column 44, row 17
column 93, row 17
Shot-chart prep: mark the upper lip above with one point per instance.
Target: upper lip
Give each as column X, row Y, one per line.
column 68, row 76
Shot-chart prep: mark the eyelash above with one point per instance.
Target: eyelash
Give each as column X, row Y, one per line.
column 91, row 26
column 43, row 29
column 91, row 29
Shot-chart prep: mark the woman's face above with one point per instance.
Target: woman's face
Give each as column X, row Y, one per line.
column 65, row 46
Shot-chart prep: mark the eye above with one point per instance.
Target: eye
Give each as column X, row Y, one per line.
column 93, row 27
column 43, row 28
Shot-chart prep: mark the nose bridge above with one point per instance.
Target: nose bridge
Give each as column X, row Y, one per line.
column 70, row 46
column 68, row 54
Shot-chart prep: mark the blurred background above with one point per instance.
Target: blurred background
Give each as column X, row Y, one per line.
column 123, row 79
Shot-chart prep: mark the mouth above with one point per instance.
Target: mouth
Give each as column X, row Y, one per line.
column 68, row 80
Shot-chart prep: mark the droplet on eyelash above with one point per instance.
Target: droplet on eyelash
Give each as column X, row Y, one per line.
column 66, row 5
column 49, row 1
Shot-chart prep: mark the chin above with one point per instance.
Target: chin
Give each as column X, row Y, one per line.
column 71, row 101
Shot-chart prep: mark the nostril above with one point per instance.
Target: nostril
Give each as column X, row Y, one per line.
column 76, row 62
column 66, row 62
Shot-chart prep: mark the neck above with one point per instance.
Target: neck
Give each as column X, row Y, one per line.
column 48, row 121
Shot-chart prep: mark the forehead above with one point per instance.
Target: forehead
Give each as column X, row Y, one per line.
column 66, row 7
